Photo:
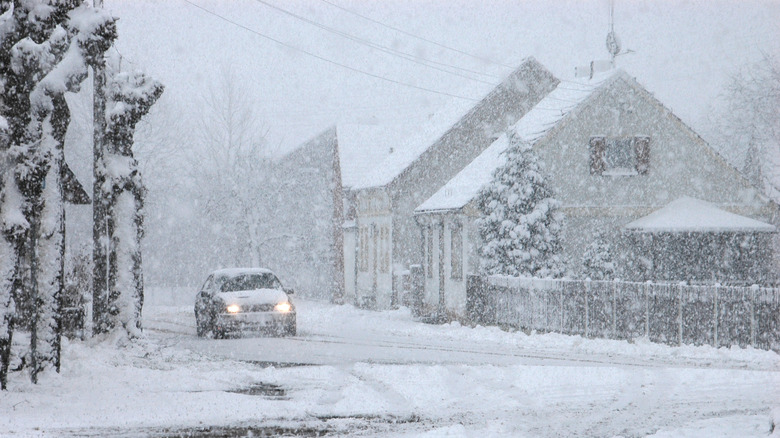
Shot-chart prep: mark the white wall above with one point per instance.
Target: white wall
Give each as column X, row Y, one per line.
column 375, row 280
column 350, row 266
column 431, row 265
column 441, row 244
column 680, row 165
column 456, row 288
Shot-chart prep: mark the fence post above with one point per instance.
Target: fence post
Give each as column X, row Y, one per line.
column 715, row 316
column 753, row 290
column 561, row 304
column 680, row 287
column 475, row 299
column 587, row 316
column 546, row 313
column 614, row 310
column 646, row 287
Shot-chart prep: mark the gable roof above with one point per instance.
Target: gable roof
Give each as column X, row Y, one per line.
column 416, row 139
column 548, row 113
column 688, row 214
column 360, row 148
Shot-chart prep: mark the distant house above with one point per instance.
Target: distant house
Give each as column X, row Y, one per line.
column 614, row 155
column 388, row 241
column 309, row 246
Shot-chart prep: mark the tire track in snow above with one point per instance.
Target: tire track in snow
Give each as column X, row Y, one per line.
column 177, row 327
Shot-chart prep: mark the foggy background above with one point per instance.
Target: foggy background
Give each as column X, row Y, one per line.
column 285, row 92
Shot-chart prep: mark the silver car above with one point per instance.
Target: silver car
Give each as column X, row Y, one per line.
column 234, row 301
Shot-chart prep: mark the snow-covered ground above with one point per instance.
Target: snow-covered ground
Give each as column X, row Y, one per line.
column 362, row 373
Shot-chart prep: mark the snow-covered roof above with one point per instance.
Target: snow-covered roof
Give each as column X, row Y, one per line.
column 464, row 186
column 361, row 147
column 419, row 137
column 688, row 214
column 412, row 143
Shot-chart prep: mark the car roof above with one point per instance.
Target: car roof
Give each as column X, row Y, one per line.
column 234, row 272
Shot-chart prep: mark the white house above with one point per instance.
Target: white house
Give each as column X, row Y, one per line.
column 613, row 155
column 388, row 240
column 312, row 238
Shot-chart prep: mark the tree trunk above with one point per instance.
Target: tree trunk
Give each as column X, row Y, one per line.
column 124, row 306
column 11, row 241
column 32, row 245
column 138, row 273
column 9, row 266
column 99, row 226
column 49, row 243
column 124, row 198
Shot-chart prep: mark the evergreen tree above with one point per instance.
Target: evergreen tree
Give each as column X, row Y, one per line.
column 46, row 48
column 521, row 223
column 597, row 261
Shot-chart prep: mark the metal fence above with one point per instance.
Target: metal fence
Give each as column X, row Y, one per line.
column 673, row 314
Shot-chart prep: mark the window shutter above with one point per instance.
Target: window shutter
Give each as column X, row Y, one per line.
column 642, row 149
column 598, row 146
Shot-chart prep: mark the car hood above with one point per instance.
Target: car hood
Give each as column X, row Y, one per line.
column 257, row 296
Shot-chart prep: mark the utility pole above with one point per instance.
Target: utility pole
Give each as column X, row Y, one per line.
column 99, row 226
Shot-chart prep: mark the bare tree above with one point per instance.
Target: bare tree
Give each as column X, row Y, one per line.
column 232, row 170
column 748, row 124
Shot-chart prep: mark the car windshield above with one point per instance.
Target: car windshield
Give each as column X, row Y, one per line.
column 250, row 282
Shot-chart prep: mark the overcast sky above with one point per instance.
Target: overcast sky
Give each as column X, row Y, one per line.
column 328, row 62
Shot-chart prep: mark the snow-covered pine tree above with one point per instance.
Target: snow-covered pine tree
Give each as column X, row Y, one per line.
column 521, row 222
column 597, row 261
column 129, row 97
column 45, row 50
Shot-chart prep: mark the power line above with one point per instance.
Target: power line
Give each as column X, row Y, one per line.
column 462, row 52
column 322, row 58
column 407, row 56
column 376, row 46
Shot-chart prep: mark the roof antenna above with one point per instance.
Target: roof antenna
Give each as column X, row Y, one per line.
column 613, row 47
column 613, row 43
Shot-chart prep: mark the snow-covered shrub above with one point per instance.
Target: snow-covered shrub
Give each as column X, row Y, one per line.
column 597, row 262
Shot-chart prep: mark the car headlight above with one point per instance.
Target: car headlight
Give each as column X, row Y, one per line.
column 283, row 307
column 234, row 308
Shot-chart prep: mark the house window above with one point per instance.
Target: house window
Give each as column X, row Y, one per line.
column 620, row 155
column 456, row 253
column 429, row 251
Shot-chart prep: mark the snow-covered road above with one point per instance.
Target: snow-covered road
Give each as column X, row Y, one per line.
column 332, row 335
column 485, row 380
column 384, row 374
